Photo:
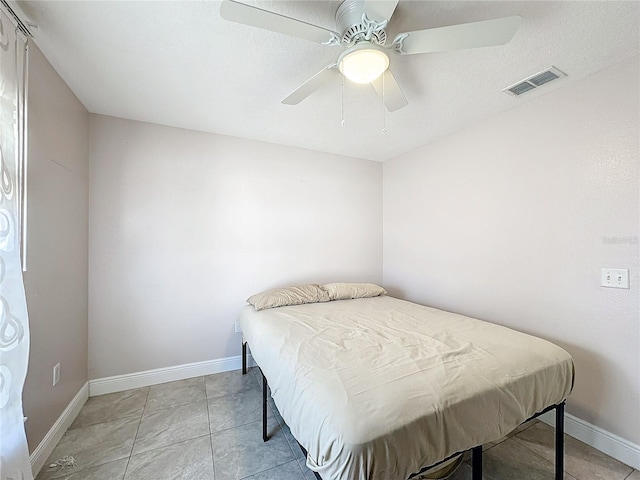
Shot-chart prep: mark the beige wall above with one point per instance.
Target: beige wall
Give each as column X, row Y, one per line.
column 56, row 280
column 510, row 220
column 186, row 225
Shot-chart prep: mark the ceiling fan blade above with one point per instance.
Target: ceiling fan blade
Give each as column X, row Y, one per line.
column 379, row 10
column 311, row 85
column 467, row 35
column 390, row 92
column 256, row 17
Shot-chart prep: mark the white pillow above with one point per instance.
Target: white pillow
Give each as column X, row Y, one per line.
column 346, row 291
column 295, row 295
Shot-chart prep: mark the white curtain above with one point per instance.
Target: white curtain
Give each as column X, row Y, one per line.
column 14, row 323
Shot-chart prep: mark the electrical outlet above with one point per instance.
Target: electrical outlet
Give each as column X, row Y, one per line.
column 614, row 278
column 56, row 374
column 237, row 327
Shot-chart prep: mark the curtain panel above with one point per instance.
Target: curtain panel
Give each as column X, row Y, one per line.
column 14, row 324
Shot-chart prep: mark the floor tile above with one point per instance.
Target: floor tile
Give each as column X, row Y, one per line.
column 170, row 438
column 257, row 374
column 288, row 471
column 489, row 445
column 171, row 394
column 229, row 383
column 466, row 456
column 517, row 430
column 240, row 452
column 524, row 426
column 293, row 443
column 306, row 472
column 190, row 460
column 172, row 425
column 580, row 460
column 464, row 473
column 108, row 471
column 511, row 460
column 237, row 409
column 94, row 445
column 112, row 406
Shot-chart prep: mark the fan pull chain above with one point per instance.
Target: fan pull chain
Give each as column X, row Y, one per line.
column 384, row 111
column 342, row 113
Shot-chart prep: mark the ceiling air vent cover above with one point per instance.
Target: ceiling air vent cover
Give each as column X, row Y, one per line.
column 534, row 81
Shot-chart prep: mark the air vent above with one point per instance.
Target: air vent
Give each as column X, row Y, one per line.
column 534, row 81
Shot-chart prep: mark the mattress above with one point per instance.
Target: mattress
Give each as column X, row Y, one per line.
column 378, row 388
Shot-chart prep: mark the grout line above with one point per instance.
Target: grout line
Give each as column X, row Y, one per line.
column 282, row 424
column 545, row 459
column 206, row 397
column 127, row 417
column 179, row 441
column 510, row 435
column 240, row 425
column 177, row 404
column 146, row 400
column 213, row 460
column 234, row 395
column 170, row 407
column 293, row 448
column 566, row 474
column 304, row 475
column 294, row 459
column 185, row 440
column 270, row 468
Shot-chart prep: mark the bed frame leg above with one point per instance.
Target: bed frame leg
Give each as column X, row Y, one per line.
column 244, row 357
column 476, row 463
column 264, row 409
column 560, row 441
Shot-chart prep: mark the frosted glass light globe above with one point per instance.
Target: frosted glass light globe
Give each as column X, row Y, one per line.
column 363, row 63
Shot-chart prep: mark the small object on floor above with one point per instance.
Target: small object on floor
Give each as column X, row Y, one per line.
column 64, row 462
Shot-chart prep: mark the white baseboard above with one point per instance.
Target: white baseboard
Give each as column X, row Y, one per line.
column 609, row 443
column 120, row 383
column 55, row 433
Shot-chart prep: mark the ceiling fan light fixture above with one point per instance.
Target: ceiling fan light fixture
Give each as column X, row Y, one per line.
column 363, row 63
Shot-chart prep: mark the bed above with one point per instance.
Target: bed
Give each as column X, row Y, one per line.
column 379, row 388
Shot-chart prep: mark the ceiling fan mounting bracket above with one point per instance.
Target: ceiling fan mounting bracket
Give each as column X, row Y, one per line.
column 333, row 41
column 398, row 43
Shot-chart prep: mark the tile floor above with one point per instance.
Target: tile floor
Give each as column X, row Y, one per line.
column 210, row 427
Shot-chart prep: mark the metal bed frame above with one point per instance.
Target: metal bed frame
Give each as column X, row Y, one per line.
column 476, row 452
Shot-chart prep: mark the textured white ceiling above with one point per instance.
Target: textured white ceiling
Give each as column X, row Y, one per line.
column 178, row 63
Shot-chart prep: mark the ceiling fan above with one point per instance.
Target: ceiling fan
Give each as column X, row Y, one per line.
column 362, row 24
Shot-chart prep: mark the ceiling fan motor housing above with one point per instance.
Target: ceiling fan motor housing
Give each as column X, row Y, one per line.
column 349, row 21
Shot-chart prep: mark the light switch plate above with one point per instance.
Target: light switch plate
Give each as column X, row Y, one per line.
column 614, row 278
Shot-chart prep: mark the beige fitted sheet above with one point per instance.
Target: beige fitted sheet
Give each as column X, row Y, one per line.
column 378, row 388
